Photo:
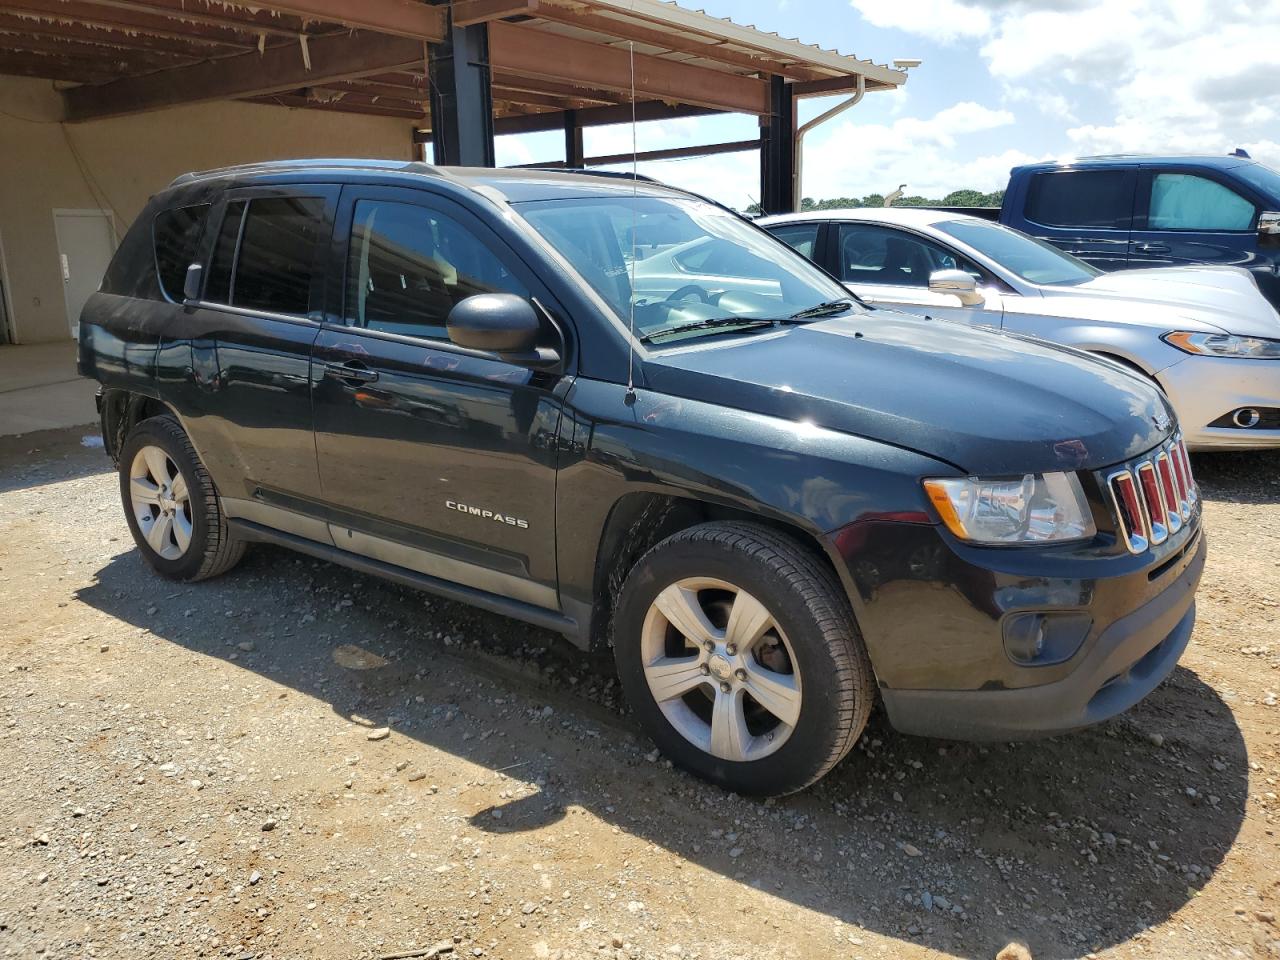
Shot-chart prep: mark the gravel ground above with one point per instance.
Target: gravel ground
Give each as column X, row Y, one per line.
column 298, row 761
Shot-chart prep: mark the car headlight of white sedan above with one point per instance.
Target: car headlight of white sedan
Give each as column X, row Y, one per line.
column 1224, row 345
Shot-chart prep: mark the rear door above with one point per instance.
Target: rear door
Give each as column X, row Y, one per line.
column 1185, row 216
column 432, row 457
column 240, row 363
column 890, row 267
column 1087, row 213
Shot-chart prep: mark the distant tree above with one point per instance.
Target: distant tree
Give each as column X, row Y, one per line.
column 956, row 198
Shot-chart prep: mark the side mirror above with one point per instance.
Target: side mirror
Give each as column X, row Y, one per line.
column 191, row 283
column 501, row 323
column 1269, row 224
column 957, row 283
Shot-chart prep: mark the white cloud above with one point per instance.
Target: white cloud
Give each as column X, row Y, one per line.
column 940, row 20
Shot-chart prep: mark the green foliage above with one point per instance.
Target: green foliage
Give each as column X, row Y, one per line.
column 956, row 198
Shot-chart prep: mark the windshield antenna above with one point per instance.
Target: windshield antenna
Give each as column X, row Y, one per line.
column 635, row 182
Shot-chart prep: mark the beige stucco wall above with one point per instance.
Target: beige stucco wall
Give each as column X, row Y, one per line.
column 127, row 159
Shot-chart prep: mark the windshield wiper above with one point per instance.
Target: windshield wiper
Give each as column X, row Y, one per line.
column 715, row 323
column 827, row 308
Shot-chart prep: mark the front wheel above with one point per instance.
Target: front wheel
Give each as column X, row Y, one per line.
column 171, row 505
column 737, row 649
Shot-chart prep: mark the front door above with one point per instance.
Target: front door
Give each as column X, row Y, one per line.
column 86, row 241
column 889, row 267
column 1186, row 218
column 432, row 458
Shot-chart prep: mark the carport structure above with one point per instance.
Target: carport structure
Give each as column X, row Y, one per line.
column 460, row 71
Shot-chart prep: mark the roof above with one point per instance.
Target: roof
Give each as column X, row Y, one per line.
column 514, row 184
column 899, row 216
column 545, row 56
column 1148, row 160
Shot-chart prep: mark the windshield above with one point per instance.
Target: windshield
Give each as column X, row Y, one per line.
column 693, row 264
column 1033, row 260
column 1263, row 178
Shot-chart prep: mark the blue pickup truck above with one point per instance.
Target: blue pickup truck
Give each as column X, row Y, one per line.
column 1124, row 212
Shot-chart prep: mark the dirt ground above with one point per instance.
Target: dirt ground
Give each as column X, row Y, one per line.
column 203, row 772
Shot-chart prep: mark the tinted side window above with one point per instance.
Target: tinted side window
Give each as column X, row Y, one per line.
column 408, row 265
column 277, row 252
column 1081, row 198
column 1183, row 201
column 176, row 234
column 872, row 254
column 802, row 236
column 218, row 287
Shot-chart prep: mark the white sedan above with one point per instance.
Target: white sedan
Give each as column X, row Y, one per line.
column 1205, row 334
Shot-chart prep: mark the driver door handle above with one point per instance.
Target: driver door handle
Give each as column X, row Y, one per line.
column 351, row 371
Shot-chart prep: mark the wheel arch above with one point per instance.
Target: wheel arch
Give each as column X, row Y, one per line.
column 121, row 410
column 638, row 520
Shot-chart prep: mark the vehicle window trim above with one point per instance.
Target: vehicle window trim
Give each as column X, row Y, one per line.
column 328, row 193
column 1146, row 183
column 335, row 299
column 1128, row 173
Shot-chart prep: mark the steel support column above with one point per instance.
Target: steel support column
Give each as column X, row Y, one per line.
column 461, row 100
column 573, row 155
column 777, row 150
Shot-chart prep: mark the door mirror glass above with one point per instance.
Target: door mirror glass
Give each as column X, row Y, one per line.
column 1269, row 224
column 957, row 283
column 191, row 283
column 494, row 322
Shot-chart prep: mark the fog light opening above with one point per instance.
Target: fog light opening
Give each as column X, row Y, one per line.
column 1246, row 417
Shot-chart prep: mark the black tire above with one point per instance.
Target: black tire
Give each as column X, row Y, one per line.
column 213, row 550
column 807, row 603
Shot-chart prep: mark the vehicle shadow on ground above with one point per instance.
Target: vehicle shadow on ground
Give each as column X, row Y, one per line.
column 1072, row 844
column 1249, row 476
column 50, row 456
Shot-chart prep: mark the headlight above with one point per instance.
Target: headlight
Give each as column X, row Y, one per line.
column 1224, row 345
column 1039, row 508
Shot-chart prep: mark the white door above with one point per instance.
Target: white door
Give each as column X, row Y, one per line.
column 86, row 241
column 890, row 268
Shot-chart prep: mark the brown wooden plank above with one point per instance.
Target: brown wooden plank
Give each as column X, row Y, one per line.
column 39, row 26
column 138, row 60
column 333, row 57
column 510, row 83
column 374, row 89
column 341, row 106
column 670, row 153
column 599, row 116
column 529, row 52
column 467, row 12
column 401, row 18
column 212, row 15
column 55, row 68
column 90, row 14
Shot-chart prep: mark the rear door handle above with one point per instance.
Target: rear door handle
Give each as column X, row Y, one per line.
column 352, row 371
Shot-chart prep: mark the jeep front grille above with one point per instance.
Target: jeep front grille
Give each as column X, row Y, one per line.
column 1153, row 496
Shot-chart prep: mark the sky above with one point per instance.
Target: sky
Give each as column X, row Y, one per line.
column 1002, row 82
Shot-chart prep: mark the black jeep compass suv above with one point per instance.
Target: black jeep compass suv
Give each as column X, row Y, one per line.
column 774, row 503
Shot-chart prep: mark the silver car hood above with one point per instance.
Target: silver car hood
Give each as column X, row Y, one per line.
column 1226, row 298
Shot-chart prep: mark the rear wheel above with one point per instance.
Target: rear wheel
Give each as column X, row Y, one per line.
column 171, row 505
column 737, row 649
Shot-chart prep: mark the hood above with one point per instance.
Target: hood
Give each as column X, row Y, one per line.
column 989, row 403
column 1225, row 298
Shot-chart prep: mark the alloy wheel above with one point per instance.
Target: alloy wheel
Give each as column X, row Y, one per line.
column 161, row 502
column 721, row 669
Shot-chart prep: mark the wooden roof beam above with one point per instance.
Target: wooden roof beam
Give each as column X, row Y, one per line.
column 401, row 18
column 89, row 14
column 340, row 56
column 36, row 25
column 534, row 53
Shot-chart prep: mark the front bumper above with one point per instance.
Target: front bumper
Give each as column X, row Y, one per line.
column 1126, row 662
column 1202, row 389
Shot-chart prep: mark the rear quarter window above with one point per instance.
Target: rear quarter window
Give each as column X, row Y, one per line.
column 176, row 237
